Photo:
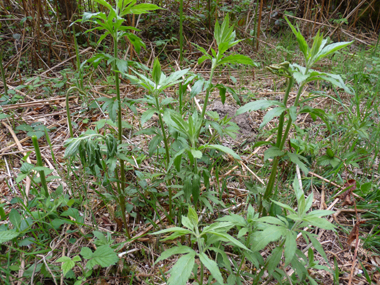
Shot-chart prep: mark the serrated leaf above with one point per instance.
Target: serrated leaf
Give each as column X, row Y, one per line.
column 237, row 59
column 295, row 158
column 274, row 259
column 192, row 216
column 104, row 256
column 271, row 114
column 212, row 266
column 7, row 235
column 221, row 148
column 180, row 272
column 174, row 250
column 290, row 247
column 230, row 239
column 257, row 105
column 147, row 115
column 272, row 152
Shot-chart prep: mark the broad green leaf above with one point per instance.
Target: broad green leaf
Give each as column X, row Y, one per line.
column 67, row 264
column 135, row 41
column 272, row 152
column 180, row 272
column 86, row 252
column 174, row 229
column 203, row 58
column 293, row 113
column 220, row 227
column 196, row 153
column 320, row 213
column 257, row 105
column 7, row 235
column 221, row 148
column 327, row 50
column 263, row 238
column 271, row 114
column 237, row 59
column 156, row 72
column 274, row 259
column 319, row 222
column 104, row 256
column 193, row 217
column 140, row 9
column 300, row 39
column 295, row 158
column 212, row 266
column 122, row 65
column 290, row 247
column 317, row 245
column 187, row 223
column 230, row 239
column 104, row 3
column 282, row 205
column 174, row 250
column 147, row 115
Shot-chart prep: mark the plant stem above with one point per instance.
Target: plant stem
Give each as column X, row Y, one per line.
column 166, row 150
column 269, row 190
column 3, row 73
column 180, row 51
column 206, row 98
column 39, row 163
column 120, row 137
column 68, row 114
column 78, row 59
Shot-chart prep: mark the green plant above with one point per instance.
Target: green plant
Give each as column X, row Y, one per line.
column 112, row 24
column 103, row 256
column 301, row 75
column 281, row 231
column 205, row 239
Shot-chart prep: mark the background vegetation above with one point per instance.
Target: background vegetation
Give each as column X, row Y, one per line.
column 189, row 142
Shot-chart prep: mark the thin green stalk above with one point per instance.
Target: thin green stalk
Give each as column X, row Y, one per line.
column 39, row 163
column 78, row 59
column 51, row 147
column 3, row 73
column 206, row 98
column 68, row 114
column 280, row 136
column 120, row 137
column 180, row 50
column 167, row 153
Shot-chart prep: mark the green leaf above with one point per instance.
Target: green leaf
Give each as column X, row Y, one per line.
column 263, row 238
column 104, row 256
column 327, row 50
column 147, row 115
column 174, row 229
column 86, row 252
column 271, row 114
column 237, row 59
column 104, row 3
column 272, row 152
column 67, row 264
column 257, row 105
column 295, row 158
column 229, row 238
column 300, row 39
column 174, row 250
column 274, row 259
column 212, row 266
column 221, row 148
column 290, row 247
column 319, row 222
column 187, row 223
column 141, row 9
column 180, row 272
column 193, row 217
column 282, row 205
column 156, row 72
column 8, row 235
column 317, row 245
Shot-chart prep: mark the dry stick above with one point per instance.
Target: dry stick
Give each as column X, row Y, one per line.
column 28, row 181
column 63, row 62
column 34, row 103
